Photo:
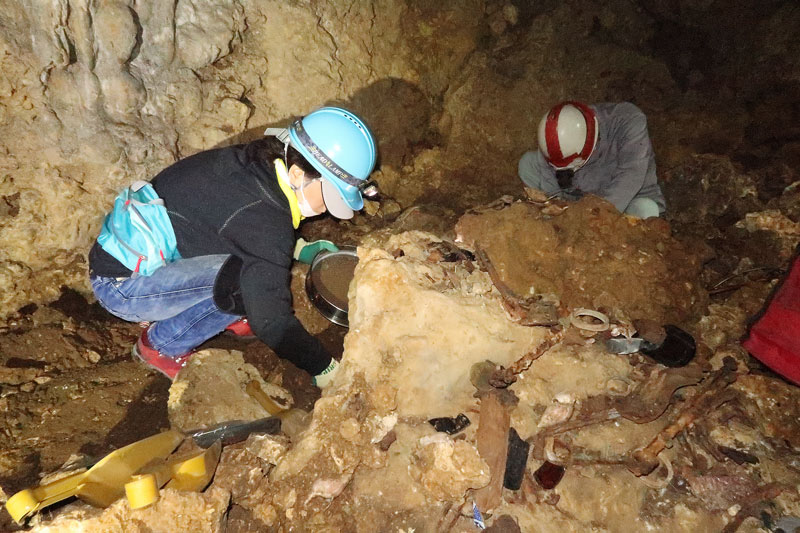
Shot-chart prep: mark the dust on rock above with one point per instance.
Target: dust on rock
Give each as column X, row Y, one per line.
column 590, row 256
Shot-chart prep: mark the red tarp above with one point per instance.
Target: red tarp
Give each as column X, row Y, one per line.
column 774, row 338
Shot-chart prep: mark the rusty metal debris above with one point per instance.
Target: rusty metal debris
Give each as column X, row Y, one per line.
column 503, row 377
column 648, row 401
column 531, row 311
column 711, row 395
column 651, row 396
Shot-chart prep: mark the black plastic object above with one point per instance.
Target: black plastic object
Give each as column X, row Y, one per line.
column 677, row 349
column 548, row 475
column 450, row 425
column 235, row 431
column 516, row 461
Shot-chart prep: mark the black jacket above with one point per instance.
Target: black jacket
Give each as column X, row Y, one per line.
column 225, row 201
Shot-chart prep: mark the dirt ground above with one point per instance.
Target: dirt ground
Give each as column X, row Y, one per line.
column 70, row 392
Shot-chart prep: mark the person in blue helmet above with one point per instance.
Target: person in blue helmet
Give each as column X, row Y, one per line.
column 234, row 212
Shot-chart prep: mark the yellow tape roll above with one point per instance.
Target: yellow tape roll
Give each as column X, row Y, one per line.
column 21, row 504
column 141, row 491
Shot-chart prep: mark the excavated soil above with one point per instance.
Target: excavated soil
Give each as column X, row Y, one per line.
column 590, row 257
column 70, row 392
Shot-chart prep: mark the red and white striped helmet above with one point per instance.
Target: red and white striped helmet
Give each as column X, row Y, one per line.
column 568, row 135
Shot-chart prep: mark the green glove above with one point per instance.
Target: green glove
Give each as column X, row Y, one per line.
column 305, row 252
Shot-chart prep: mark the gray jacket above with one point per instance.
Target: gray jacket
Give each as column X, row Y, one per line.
column 622, row 167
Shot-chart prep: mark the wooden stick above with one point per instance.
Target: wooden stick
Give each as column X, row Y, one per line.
column 492, row 437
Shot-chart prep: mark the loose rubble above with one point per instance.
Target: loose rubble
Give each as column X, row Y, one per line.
column 439, row 332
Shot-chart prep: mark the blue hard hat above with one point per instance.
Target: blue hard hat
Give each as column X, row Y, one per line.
column 340, row 146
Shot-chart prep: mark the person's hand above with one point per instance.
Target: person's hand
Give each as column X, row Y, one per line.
column 305, row 252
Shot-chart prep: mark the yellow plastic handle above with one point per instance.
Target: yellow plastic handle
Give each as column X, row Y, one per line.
column 269, row 404
column 22, row 504
column 195, row 473
column 102, row 484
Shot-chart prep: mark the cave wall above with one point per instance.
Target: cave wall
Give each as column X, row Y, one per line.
column 96, row 94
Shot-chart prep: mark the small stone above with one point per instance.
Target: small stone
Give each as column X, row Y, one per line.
column 350, row 429
column 390, row 209
column 371, row 208
column 92, row 356
column 28, row 387
column 41, row 380
column 387, row 441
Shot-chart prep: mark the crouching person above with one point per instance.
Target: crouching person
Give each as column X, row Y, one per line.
column 600, row 149
column 211, row 238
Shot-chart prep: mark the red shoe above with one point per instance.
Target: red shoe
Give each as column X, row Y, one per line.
column 169, row 366
column 241, row 328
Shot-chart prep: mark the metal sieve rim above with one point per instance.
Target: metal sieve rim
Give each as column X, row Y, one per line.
column 328, row 309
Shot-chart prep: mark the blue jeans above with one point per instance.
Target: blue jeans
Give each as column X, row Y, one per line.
column 178, row 297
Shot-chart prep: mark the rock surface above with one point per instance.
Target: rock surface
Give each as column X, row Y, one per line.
column 212, row 389
column 174, row 511
column 95, row 96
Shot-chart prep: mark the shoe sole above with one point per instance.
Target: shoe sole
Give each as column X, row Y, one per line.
column 138, row 356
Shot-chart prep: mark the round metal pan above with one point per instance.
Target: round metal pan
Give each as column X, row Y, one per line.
column 328, row 280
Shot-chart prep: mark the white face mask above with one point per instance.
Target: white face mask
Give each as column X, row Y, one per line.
column 305, row 208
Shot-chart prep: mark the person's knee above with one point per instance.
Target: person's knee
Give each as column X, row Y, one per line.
column 642, row 208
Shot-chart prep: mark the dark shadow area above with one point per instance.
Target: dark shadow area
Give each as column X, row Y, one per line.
column 26, row 476
column 397, row 111
column 400, row 116
column 241, row 520
column 76, row 306
column 145, row 416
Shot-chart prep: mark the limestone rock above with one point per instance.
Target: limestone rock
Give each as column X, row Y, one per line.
column 786, row 230
column 414, row 322
column 174, row 511
column 211, row 389
column 447, row 468
column 417, row 326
